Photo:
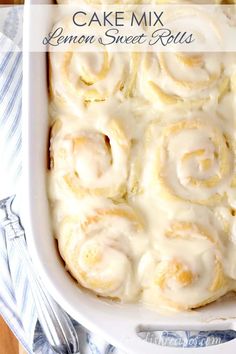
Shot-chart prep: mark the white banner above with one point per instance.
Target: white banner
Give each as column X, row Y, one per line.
column 162, row 28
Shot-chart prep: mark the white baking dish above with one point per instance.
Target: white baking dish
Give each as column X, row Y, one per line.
column 115, row 322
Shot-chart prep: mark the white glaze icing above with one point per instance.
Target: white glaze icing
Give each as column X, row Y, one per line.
column 142, row 184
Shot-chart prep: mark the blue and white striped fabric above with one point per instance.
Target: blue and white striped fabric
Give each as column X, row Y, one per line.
column 16, row 302
column 10, row 147
column 13, row 284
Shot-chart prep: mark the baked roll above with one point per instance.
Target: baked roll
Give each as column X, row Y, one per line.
column 192, row 160
column 78, row 78
column 199, row 79
column 100, row 247
column 176, row 274
column 89, row 161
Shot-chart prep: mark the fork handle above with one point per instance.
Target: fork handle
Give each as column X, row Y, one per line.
column 56, row 324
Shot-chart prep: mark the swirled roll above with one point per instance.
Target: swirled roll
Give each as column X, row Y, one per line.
column 193, row 161
column 89, row 161
column 100, row 247
column 93, row 76
column 198, row 79
column 176, row 274
column 78, row 76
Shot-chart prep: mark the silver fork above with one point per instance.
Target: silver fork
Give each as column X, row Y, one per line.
column 56, row 324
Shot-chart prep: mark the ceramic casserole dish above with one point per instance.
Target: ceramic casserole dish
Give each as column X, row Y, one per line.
column 117, row 323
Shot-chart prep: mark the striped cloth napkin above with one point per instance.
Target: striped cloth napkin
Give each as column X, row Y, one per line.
column 16, row 302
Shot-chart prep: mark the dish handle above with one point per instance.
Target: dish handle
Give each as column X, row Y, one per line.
column 146, row 343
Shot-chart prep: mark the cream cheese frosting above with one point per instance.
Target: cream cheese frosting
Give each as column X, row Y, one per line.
column 142, row 180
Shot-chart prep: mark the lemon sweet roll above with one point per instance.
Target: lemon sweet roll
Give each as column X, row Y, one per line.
column 89, row 160
column 192, row 159
column 192, row 80
column 78, row 78
column 185, row 267
column 100, row 245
